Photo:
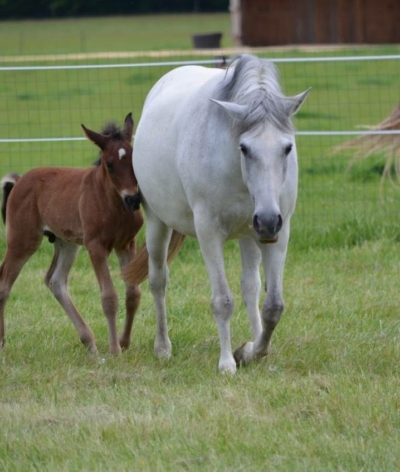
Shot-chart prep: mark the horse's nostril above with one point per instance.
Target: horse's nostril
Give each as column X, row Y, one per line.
column 256, row 224
column 278, row 224
column 269, row 225
column 132, row 202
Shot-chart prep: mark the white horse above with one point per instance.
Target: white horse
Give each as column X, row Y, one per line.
column 215, row 158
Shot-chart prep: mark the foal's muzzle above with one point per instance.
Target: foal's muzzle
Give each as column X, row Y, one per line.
column 132, row 202
column 267, row 227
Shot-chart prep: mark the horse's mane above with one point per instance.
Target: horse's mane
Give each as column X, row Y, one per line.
column 255, row 82
column 111, row 129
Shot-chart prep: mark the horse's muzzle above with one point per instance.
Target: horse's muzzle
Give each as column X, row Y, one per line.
column 267, row 228
column 132, row 202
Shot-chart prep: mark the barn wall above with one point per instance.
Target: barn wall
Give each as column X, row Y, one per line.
column 272, row 22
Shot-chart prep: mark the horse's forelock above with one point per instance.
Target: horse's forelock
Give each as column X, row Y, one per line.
column 255, row 82
column 112, row 129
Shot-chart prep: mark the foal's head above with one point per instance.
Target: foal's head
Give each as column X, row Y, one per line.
column 116, row 159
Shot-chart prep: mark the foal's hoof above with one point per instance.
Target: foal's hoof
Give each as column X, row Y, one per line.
column 124, row 343
column 116, row 350
column 244, row 354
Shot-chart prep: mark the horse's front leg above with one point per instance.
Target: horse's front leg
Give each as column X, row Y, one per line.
column 251, row 282
column 109, row 298
column 273, row 257
column 222, row 302
column 132, row 295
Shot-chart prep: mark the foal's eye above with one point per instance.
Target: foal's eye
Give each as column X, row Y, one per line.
column 110, row 166
column 288, row 148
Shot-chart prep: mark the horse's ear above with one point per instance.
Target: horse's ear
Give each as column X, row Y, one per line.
column 293, row 104
column 96, row 138
column 128, row 127
column 239, row 112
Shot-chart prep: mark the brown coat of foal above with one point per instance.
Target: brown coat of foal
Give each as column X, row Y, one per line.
column 96, row 207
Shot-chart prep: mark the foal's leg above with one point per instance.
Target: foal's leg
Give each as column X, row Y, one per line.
column 109, row 298
column 222, row 302
column 251, row 282
column 273, row 256
column 56, row 280
column 132, row 296
column 157, row 240
column 19, row 250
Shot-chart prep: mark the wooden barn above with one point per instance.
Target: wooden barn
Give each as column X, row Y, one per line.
column 277, row 22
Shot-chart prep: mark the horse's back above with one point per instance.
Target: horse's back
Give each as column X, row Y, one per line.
column 181, row 81
column 159, row 137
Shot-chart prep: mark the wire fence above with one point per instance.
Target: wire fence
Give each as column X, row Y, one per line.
column 43, row 106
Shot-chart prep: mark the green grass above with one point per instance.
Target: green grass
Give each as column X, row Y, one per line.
column 110, row 34
column 327, row 397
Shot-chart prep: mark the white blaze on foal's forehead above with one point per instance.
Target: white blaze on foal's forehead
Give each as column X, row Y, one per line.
column 121, row 153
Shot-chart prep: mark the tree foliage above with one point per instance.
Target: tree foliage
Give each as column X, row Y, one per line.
column 14, row 9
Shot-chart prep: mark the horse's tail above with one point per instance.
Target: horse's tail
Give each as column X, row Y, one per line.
column 137, row 271
column 7, row 184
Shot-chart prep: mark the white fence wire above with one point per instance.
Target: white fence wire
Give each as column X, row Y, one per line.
column 352, row 59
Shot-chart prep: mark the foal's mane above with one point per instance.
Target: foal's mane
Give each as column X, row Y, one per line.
column 113, row 130
column 255, row 82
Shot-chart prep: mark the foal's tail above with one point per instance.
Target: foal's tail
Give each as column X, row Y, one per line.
column 7, row 184
column 137, row 271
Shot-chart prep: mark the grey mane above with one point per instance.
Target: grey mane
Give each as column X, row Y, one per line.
column 255, row 82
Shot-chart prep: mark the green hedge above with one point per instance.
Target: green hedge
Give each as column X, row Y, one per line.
column 15, row 9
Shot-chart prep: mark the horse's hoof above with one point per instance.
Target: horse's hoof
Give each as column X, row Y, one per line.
column 225, row 368
column 116, row 351
column 163, row 348
column 92, row 349
column 163, row 354
column 244, row 354
column 124, row 344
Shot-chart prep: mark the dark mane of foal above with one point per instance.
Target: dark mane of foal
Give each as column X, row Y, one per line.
column 113, row 130
column 255, row 82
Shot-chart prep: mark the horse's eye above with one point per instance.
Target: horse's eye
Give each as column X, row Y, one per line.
column 244, row 149
column 288, row 148
column 110, row 166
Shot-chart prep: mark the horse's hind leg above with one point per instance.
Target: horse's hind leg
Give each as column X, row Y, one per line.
column 13, row 262
column 56, row 280
column 132, row 296
column 157, row 240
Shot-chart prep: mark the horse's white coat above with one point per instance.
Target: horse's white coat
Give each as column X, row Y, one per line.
column 195, row 179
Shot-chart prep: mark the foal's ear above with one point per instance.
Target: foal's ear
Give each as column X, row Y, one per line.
column 293, row 104
column 128, row 127
column 96, row 138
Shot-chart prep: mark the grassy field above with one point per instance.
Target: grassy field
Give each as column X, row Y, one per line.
column 326, row 399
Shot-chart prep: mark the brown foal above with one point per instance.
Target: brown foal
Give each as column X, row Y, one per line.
column 96, row 207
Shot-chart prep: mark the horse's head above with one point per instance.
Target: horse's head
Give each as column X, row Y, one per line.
column 263, row 132
column 116, row 159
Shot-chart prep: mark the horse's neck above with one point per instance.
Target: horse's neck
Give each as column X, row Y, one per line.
column 99, row 185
